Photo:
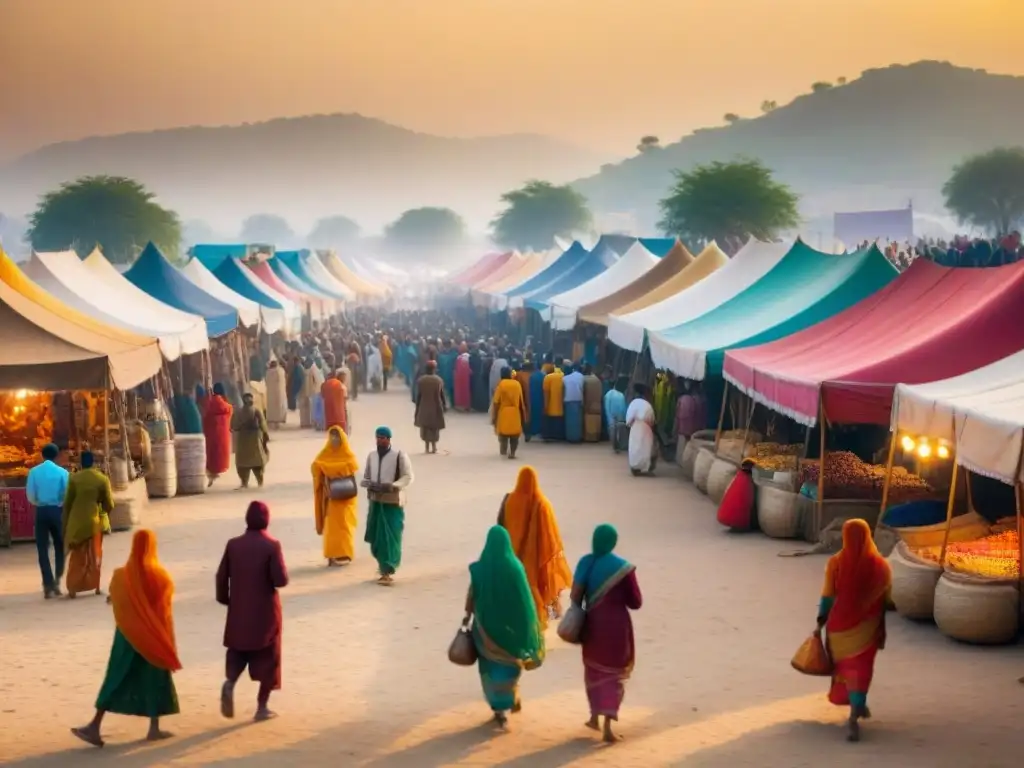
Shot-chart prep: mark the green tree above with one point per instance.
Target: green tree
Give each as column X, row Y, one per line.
column 425, row 232
column 841, row 81
column 821, row 85
column 769, row 105
column 118, row 214
column 647, row 143
column 728, row 203
column 538, row 212
column 267, row 228
column 333, row 231
column 987, row 190
column 731, row 117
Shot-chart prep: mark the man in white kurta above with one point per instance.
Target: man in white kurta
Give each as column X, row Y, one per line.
column 374, row 368
column 642, row 445
column 277, row 395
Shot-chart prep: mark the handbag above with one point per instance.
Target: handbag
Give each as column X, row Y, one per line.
column 811, row 658
column 343, row 488
column 462, row 651
column 570, row 628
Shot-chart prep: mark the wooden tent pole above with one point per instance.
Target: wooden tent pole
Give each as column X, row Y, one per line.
column 106, row 431
column 721, row 415
column 1017, row 491
column 820, row 501
column 746, row 431
column 888, row 477
column 950, row 503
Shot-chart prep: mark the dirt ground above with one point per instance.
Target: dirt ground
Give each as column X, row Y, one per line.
column 366, row 678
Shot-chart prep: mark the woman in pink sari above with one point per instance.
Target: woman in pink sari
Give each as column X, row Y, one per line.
column 606, row 585
column 462, row 380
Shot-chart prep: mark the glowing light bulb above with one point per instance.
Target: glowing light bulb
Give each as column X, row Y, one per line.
column 942, row 452
column 21, row 394
column 908, row 443
column 924, row 450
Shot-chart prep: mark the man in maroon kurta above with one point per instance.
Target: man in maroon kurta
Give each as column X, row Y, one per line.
column 250, row 574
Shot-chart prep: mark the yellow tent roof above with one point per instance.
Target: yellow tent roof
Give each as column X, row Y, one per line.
column 358, row 284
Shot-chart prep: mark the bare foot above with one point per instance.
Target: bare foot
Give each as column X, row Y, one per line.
column 263, row 714
column 89, row 734
column 227, row 700
column 158, row 735
column 72, row 595
column 501, row 720
column 852, row 730
column 609, row 737
column 517, row 707
column 343, row 561
column 592, row 724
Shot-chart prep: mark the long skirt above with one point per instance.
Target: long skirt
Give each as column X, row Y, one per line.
column 574, row 422
column 608, row 657
column 500, row 683
column 430, row 434
column 592, row 424
column 316, row 407
column 554, row 428
column 133, row 686
column 305, row 413
column 384, row 527
column 85, row 560
column 462, row 398
column 852, row 676
column 340, row 529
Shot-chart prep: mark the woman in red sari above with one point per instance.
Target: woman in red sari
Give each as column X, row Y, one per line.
column 462, row 380
column 608, row 585
column 852, row 611
column 217, row 430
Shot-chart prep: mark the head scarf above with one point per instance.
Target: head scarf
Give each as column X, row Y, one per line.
column 200, row 391
column 861, row 574
column 604, row 541
column 533, row 530
column 257, row 516
column 218, row 389
column 602, row 569
column 336, row 461
column 502, row 602
column 140, row 593
column 383, row 432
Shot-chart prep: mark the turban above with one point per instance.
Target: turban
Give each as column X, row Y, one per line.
column 384, row 432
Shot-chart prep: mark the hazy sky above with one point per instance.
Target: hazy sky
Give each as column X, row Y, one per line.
column 598, row 72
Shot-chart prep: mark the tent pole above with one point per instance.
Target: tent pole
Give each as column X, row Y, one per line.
column 949, row 510
column 1017, row 491
column 721, row 415
column 888, row 478
column 746, row 432
column 106, row 431
column 820, row 501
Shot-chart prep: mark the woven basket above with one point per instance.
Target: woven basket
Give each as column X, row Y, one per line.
column 118, row 473
column 962, row 528
column 734, row 448
column 831, row 511
column 719, row 476
column 778, row 511
column 162, row 480
column 693, row 446
column 125, row 515
column 913, row 583
column 190, row 456
column 680, row 449
column 702, row 468
column 976, row 610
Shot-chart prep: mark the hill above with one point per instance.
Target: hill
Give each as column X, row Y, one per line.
column 890, row 136
column 303, row 168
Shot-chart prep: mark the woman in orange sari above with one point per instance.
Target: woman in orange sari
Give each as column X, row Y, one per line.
column 529, row 518
column 852, row 611
column 138, row 680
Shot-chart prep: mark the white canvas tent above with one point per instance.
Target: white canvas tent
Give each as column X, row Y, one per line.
column 113, row 300
column 752, row 262
column 633, row 264
column 248, row 310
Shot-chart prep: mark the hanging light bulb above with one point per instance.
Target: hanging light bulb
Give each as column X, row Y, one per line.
column 942, row 451
column 907, row 443
column 924, row 450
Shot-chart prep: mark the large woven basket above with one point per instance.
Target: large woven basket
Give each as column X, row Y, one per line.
column 778, row 511
column 734, row 448
column 831, row 511
column 689, row 458
column 118, row 473
column 719, row 476
column 125, row 515
column 976, row 610
column 913, row 583
column 162, row 480
column 190, row 456
column 680, row 449
column 702, row 468
column 962, row 528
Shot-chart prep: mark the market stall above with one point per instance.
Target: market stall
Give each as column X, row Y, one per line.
column 278, row 312
column 365, row 289
column 597, row 261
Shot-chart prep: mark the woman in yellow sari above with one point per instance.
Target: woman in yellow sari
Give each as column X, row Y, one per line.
column 852, row 611
column 87, row 504
column 529, row 518
column 144, row 655
column 333, row 506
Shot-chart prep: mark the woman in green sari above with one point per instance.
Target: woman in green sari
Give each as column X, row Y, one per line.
column 506, row 630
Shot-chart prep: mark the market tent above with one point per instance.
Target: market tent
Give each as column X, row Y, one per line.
column 317, row 308
column 278, row 311
column 291, row 274
column 50, row 346
column 628, row 325
column 67, row 279
column 659, row 246
column 299, row 264
column 318, row 272
column 493, row 296
column 806, row 287
column 211, row 255
column 981, row 412
column 597, row 262
column 619, row 244
column 338, row 268
column 566, row 262
column 512, row 265
column 482, row 268
column 153, row 274
column 932, row 323
column 635, row 263
column 200, row 276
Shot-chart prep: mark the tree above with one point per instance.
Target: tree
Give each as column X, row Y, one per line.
column 538, row 212
column 647, row 143
column 821, row 85
column 768, row 106
column 115, row 213
column 987, row 190
column 731, row 117
column 728, row 203
column 333, row 231
column 266, row 228
column 841, row 81
column 425, row 231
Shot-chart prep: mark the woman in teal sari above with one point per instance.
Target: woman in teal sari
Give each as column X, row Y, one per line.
column 506, row 630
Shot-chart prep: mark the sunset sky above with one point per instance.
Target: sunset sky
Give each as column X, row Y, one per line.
column 598, row 72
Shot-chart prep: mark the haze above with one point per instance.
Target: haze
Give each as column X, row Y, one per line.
column 600, row 73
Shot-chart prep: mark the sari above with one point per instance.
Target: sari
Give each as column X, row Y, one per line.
column 87, row 504
column 506, row 632
column 529, row 518
column 144, row 654
column 336, row 519
column 854, row 596
column 609, row 587
column 462, row 383
column 217, row 430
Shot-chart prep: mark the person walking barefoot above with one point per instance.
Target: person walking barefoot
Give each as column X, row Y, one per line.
column 388, row 473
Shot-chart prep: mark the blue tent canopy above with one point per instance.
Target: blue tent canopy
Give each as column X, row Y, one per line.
column 153, row 274
column 659, row 246
column 236, row 277
column 211, row 256
column 597, row 261
column 573, row 256
column 618, row 243
column 293, row 281
column 294, row 261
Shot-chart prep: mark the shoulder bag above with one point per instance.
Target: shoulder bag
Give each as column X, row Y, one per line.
column 343, row 488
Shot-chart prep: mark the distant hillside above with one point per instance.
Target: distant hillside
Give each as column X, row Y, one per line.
column 890, row 136
column 303, row 168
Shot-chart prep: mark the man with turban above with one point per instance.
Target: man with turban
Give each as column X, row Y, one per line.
column 388, row 473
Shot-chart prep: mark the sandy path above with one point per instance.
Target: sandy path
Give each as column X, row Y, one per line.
column 366, row 678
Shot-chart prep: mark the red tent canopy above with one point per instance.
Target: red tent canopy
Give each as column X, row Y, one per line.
column 930, row 323
column 263, row 271
column 484, row 267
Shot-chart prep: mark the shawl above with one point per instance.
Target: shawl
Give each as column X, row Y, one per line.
column 859, row 575
column 331, row 463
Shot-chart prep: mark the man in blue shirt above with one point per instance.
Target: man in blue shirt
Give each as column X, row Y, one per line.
column 45, row 490
column 615, row 412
